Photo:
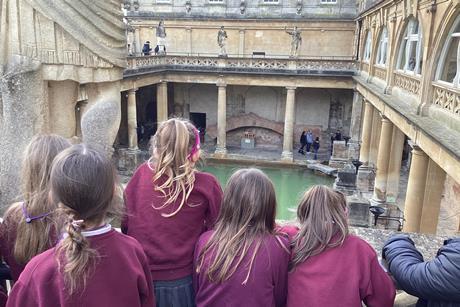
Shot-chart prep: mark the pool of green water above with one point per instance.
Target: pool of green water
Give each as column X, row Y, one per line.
column 290, row 183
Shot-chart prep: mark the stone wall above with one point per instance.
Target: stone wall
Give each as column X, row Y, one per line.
column 449, row 215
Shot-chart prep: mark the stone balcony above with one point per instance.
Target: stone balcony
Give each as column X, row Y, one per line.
column 308, row 66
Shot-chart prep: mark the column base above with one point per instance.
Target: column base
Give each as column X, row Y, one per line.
column 287, row 156
column 365, row 179
column 220, row 152
column 377, row 202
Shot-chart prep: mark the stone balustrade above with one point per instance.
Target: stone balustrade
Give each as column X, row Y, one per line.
column 303, row 66
column 446, row 97
column 380, row 72
column 408, row 83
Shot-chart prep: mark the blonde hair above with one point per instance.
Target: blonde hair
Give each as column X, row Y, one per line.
column 35, row 236
column 247, row 213
column 322, row 216
column 171, row 148
column 83, row 183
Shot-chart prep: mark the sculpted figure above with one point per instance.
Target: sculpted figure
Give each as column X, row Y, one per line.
column 52, row 55
column 161, row 38
column 221, row 41
column 295, row 42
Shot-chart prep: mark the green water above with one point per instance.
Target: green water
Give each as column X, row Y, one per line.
column 290, row 183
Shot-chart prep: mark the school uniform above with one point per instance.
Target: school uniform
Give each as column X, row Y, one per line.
column 120, row 277
column 345, row 275
column 169, row 241
column 265, row 287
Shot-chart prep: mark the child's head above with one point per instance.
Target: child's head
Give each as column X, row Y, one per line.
column 322, row 214
column 175, row 149
column 247, row 212
column 35, row 216
column 83, row 185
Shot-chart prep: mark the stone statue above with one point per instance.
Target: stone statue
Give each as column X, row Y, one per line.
column 221, row 41
column 161, row 38
column 295, row 42
column 49, row 52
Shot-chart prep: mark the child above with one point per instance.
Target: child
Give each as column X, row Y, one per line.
column 243, row 262
column 169, row 205
column 316, row 147
column 93, row 265
column 330, row 267
column 30, row 227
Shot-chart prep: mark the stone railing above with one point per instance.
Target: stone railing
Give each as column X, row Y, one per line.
column 408, row 83
column 365, row 67
column 446, row 98
column 319, row 65
column 380, row 72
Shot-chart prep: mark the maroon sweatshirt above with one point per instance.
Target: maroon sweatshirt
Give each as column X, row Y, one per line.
column 340, row 276
column 169, row 242
column 121, row 278
column 7, row 240
column 267, row 283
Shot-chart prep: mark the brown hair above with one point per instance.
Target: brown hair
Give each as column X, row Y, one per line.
column 83, row 184
column 323, row 223
column 171, row 147
column 35, row 236
column 247, row 213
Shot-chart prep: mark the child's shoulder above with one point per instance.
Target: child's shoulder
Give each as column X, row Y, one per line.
column 204, row 176
column 127, row 241
column 289, row 230
column 44, row 266
column 356, row 243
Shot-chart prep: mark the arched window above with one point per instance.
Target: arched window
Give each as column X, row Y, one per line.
column 368, row 47
column 383, row 46
column 410, row 51
column 449, row 65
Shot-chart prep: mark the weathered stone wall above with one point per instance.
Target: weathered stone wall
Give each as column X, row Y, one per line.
column 449, row 215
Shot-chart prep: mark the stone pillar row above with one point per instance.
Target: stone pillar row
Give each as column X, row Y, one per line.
column 383, row 159
column 366, row 133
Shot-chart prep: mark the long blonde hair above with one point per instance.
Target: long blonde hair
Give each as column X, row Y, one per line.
column 83, row 183
column 322, row 214
column 171, row 149
column 35, row 236
column 247, row 213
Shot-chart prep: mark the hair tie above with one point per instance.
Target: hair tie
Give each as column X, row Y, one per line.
column 76, row 224
column 29, row 218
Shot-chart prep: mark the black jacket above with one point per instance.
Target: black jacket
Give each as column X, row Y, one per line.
column 435, row 282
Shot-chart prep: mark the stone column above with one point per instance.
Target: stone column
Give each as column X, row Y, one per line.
column 221, row 149
column 241, row 43
column 375, row 138
column 434, row 188
column 415, row 190
column 355, row 127
column 132, row 119
column 137, row 41
column 366, row 133
column 383, row 156
column 289, row 125
column 162, row 101
column 189, row 40
column 394, row 167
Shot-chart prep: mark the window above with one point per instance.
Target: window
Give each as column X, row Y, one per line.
column 448, row 67
column 216, row 1
column 410, row 51
column 271, row 1
column 382, row 50
column 328, row 1
column 163, row 1
column 368, row 47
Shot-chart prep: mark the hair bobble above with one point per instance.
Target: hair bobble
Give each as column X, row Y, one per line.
column 76, row 224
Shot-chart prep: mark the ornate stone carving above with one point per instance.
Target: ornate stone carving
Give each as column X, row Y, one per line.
column 295, row 42
column 408, row 83
column 447, row 99
column 299, row 6
column 380, row 73
column 222, row 41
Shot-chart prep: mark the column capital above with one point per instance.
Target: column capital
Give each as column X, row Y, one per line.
column 221, row 82
column 132, row 91
column 416, row 150
column 291, row 88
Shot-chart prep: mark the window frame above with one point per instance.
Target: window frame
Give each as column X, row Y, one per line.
column 407, row 42
column 367, row 47
column 383, row 41
column 443, row 57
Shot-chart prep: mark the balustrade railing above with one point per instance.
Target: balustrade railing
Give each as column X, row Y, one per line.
column 317, row 64
column 447, row 98
column 408, row 83
column 380, row 72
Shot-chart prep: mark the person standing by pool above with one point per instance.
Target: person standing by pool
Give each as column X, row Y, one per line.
column 309, row 139
column 303, row 142
column 169, row 205
column 244, row 261
column 316, row 147
column 330, row 267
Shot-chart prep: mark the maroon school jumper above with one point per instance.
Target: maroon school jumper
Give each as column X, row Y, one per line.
column 121, row 278
column 7, row 239
column 169, row 242
column 340, row 276
column 267, row 283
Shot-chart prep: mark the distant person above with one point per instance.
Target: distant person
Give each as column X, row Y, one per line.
column 330, row 267
column 93, row 264
column 32, row 226
column 435, row 282
column 303, row 142
column 146, row 48
column 309, row 138
column 338, row 135
column 157, row 49
column 243, row 261
column 316, row 147
column 169, row 205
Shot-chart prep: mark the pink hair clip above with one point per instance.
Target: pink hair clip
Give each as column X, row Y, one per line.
column 77, row 223
column 196, row 146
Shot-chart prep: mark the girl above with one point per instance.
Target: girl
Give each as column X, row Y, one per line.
column 84, row 268
column 243, row 262
column 30, row 227
column 330, row 267
column 169, row 205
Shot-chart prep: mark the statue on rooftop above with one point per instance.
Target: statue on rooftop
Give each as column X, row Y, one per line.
column 221, row 41
column 53, row 54
column 161, row 38
column 295, row 42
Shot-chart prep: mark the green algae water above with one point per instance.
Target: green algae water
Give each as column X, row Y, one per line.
column 290, row 183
